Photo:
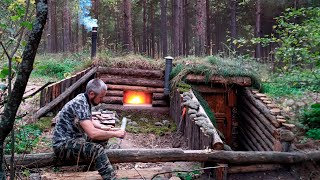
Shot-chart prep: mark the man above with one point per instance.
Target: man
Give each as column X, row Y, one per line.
column 75, row 126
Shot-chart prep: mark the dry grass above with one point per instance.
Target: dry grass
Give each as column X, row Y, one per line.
column 131, row 61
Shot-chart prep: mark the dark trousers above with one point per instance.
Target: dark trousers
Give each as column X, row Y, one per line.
column 77, row 149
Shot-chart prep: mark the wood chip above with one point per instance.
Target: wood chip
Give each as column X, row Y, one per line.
column 288, row 126
column 261, row 95
column 267, row 102
column 275, row 111
column 281, row 120
column 95, row 113
column 272, row 105
column 280, row 117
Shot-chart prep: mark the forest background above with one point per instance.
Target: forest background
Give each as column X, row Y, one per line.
column 281, row 34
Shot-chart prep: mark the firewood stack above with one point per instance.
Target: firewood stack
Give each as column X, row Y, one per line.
column 105, row 117
column 197, row 127
column 261, row 125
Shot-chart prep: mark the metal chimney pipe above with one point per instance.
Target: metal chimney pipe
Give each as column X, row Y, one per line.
column 94, row 36
column 167, row 75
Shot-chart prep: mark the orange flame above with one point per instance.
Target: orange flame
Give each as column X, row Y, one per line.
column 137, row 97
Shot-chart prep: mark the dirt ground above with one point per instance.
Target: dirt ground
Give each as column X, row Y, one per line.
column 169, row 140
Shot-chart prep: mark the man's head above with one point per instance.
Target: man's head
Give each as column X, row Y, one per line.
column 96, row 90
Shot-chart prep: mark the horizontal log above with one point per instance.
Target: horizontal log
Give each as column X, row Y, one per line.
column 123, row 80
column 208, row 89
column 114, row 93
column 135, row 88
column 64, row 95
column 135, row 109
column 173, row 155
column 158, row 96
column 241, row 81
column 253, row 168
column 112, row 100
column 159, row 103
column 157, row 74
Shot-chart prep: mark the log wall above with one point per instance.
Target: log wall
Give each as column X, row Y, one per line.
column 120, row 79
column 54, row 90
column 261, row 126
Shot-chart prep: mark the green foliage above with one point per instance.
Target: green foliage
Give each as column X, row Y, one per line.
column 26, row 137
column 311, row 118
column 292, row 83
column 188, row 175
column 314, row 133
column 298, row 37
column 229, row 66
column 57, row 66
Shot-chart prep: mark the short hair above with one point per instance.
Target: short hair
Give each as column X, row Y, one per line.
column 96, row 85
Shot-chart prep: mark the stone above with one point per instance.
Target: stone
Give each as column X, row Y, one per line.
column 166, row 122
column 133, row 123
column 174, row 178
column 289, row 102
column 144, row 120
column 158, row 124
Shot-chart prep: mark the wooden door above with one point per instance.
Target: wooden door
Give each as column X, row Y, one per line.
column 222, row 102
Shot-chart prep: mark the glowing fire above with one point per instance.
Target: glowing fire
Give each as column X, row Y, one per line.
column 137, row 98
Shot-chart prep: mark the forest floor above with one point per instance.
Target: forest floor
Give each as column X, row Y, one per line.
column 147, row 170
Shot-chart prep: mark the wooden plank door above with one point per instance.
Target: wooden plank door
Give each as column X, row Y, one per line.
column 222, row 102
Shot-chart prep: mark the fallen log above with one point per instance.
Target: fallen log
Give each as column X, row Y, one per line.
column 126, row 80
column 135, row 88
column 64, row 95
column 157, row 74
column 172, row 155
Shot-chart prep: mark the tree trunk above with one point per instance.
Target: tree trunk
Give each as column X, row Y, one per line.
column 186, row 28
column 200, row 28
column 24, row 70
column 66, row 27
column 128, row 42
column 164, row 31
column 176, row 23
column 173, row 155
column 208, row 15
column 152, row 46
column 144, row 39
column 233, row 25
column 258, row 28
column 52, row 27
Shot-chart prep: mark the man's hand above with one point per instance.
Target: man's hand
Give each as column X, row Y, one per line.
column 120, row 133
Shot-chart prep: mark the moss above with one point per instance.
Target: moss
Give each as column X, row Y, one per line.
column 149, row 126
column 44, row 123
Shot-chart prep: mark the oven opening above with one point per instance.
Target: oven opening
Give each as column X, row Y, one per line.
column 137, row 98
